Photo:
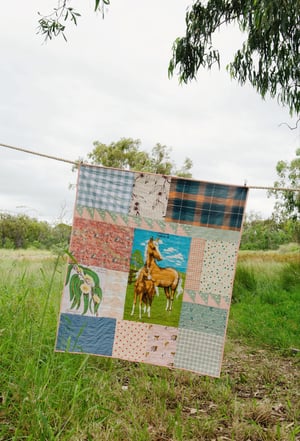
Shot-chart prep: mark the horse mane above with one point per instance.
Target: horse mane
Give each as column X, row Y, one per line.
column 147, row 244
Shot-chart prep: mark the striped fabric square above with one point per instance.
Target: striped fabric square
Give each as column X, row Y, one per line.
column 194, row 268
column 206, row 204
column 105, row 188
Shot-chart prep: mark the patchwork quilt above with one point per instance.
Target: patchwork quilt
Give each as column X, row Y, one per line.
column 151, row 268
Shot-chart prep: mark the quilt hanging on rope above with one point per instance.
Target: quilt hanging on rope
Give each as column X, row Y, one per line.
column 151, row 270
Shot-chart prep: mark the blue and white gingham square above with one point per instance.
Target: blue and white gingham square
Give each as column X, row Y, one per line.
column 105, row 188
column 199, row 352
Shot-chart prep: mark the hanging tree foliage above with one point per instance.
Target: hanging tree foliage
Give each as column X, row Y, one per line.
column 269, row 57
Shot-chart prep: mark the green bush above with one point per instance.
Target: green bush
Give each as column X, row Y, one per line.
column 290, row 276
column 266, row 304
column 8, row 244
column 244, row 283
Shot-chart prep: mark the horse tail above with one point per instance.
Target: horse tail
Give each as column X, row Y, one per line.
column 179, row 287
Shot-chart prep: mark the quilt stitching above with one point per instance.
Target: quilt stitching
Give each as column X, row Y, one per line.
column 151, row 268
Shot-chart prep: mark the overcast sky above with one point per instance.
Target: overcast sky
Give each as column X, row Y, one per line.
column 110, row 80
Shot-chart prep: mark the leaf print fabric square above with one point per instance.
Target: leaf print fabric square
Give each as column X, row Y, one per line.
column 150, row 195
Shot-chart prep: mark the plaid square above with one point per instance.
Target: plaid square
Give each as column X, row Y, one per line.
column 104, row 188
column 206, row 204
column 216, row 190
column 199, row 352
column 186, row 186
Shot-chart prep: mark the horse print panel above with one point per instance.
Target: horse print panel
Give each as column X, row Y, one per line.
column 151, row 266
column 158, row 267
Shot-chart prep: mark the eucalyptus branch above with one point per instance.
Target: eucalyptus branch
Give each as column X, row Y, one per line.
column 54, row 24
column 291, row 128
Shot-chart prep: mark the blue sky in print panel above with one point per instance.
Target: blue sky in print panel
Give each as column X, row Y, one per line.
column 174, row 249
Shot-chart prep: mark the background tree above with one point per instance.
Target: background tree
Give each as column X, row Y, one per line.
column 287, row 204
column 54, row 24
column 266, row 234
column 269, row 57
column 22, row 231
column 127, row 154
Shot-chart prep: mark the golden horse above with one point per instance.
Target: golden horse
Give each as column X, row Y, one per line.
column 144, row 290
column 167, row 278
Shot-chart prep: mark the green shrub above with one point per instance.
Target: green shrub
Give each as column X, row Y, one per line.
column 290, row 276
column 266, row 304
column 8, row 244
column 244, row 282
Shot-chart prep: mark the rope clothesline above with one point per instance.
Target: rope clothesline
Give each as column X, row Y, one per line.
column 31, row 152
column 36, row 153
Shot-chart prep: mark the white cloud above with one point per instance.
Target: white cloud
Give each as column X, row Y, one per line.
column 176, row 257
column 170, row 250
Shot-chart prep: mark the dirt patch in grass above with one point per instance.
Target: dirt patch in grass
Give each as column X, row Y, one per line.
column 260, row 372
column 257, row 398
column 266, row 386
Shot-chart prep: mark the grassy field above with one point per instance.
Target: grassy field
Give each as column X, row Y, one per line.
column 266, row 300
column 57, row 396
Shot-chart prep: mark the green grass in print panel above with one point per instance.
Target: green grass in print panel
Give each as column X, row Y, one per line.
column 159, row 314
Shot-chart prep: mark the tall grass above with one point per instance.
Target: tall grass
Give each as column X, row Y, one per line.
column 59, row 396
column 266, row 303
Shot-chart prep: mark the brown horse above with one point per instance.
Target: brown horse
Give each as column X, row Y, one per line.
column 144, row 290
column 167, row 278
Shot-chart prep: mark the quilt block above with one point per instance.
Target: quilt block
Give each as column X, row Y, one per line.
column 152, row 268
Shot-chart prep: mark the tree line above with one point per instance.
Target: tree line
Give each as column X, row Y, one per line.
column 22, row 231
column 281, row 228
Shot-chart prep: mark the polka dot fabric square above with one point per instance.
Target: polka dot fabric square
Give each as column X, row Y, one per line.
column 130, row 340
column 219, row 261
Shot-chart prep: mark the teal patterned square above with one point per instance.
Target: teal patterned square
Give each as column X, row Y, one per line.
column 203, row 318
